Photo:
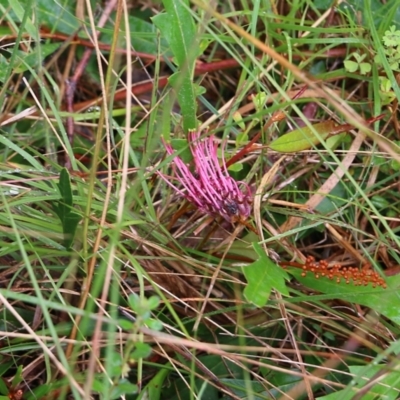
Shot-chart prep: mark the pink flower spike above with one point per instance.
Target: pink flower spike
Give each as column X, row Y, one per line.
column 210, row 187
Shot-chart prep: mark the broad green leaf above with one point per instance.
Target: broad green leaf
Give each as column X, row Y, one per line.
column 365, row 68
column 177, row 27
column 58, row 15
column 19, row 8
column 262, row 276
column 123, row 387
column 304, row 138
column 182, row 148
column 35, row 57
column 382, row 11
column 143, row 34
column 154, row 324
column 182, row 34
column 142, row 350
column 385, row 388
column 351, row 66
column 384, row 301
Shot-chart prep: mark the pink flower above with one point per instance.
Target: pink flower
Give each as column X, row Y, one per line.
column 210, row 187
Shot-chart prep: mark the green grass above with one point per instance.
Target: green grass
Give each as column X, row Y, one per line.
column 113, row 286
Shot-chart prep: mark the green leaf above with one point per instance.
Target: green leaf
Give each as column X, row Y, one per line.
column 177, row 26
column 35, row 57
column 3, row 388
column 383, row 301
column 4, row 64
column 123, row 387
column 19, row 8
column 64, row 209
column 154, row 388
column 386, row 388
column 142, row 350
column 351, row 66
column 153, row 302
column 304, row 138
column 183, row 149
column 19, row 150
column 237, row 117
column 154, row 324
column 17, row 377
column 186, row 94
column 365, row 68
column 182, row 34
column 64, row 186
column 56, row 15
column 391, row 37
column 262, row 276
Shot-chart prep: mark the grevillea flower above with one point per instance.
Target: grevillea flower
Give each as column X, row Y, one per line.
column 210, row 187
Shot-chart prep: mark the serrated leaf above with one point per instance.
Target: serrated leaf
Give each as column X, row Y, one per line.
column 262, row 276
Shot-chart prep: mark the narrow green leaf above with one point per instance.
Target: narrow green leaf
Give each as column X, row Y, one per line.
column 19, row 150
column 3, row 388
column 262, row 276
column 186, row 95
column 177, row 27
column 154, row 388
column 64, row 209
column 303, row 138
column 65, row 187
column 4, row 64
column 17, row 377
